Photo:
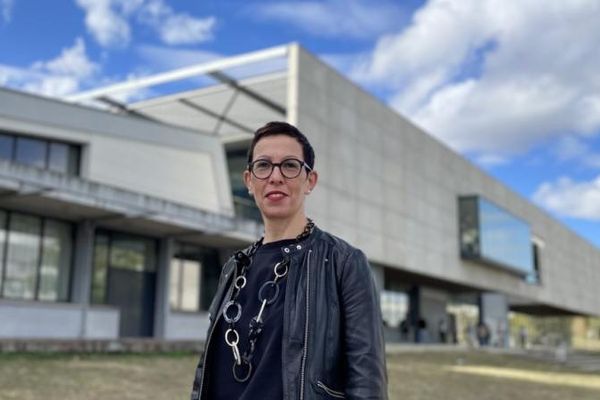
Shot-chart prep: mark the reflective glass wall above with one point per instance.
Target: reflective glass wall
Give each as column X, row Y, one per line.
column 491, row 234
column 41, row 153
column 35, row 257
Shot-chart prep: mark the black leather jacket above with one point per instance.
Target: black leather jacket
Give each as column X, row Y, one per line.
column 333, row 343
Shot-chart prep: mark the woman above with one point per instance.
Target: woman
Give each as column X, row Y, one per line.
column 296, row 315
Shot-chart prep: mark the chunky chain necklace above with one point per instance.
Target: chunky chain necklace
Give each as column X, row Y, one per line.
column 267, row 294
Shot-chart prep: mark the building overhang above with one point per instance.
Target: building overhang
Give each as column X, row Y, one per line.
column 228, row 97
column 50, row 194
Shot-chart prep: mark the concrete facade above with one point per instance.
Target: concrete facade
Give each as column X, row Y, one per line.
column 392, row 190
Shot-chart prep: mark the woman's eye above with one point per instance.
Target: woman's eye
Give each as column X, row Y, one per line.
column 291, row 164
column 262, row 165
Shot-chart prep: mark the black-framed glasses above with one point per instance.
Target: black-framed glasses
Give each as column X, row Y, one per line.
column 290, row 168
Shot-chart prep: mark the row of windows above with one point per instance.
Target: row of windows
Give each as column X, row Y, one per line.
column 46, row 154
column 35, row 257
column 36, row 263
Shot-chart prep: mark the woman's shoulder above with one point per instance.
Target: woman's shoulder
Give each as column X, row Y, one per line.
column 337, row 244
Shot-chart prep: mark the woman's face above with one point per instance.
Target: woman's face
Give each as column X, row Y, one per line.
column 279, row 197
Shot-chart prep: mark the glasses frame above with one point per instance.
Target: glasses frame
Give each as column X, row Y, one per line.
column 273, row 165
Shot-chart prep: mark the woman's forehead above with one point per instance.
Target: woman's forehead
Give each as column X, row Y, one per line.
column 278, row 146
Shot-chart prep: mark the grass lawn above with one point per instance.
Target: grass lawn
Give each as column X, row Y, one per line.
column 412, row 376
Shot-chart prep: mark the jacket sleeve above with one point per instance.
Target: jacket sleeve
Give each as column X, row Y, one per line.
column 364, row 345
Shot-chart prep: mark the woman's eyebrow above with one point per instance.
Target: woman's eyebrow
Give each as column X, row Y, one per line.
column 266, row 157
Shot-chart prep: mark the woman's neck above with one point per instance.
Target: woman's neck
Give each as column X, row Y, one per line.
column 284, row 229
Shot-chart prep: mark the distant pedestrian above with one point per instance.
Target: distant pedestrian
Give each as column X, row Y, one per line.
column 443, row 330
column 483, row 334
column 523, row 334
column 404, row 330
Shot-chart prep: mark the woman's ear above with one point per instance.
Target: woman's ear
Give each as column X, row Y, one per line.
column 313, row 177
column 248, row 182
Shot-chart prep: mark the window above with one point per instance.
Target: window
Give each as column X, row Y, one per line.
column 243, row 203
column 394, row 307
column 40, row 153
column 22, row 257
column 31, row 152
column 101, row 247
column 492, row 235
column 534, row 277
column 119, row 251
column 55, row 269
column 193, row 277
column 36, row 257
column 6, row 147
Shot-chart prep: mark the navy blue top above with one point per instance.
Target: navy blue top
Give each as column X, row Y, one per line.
column 265, row 382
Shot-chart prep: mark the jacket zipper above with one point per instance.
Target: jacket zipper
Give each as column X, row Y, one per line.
column 305, row 350
column 210, row 335
column 329, row 391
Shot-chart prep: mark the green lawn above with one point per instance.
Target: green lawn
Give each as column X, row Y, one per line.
column 422, row 376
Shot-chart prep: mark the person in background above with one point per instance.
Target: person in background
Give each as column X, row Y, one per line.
column 296, row 314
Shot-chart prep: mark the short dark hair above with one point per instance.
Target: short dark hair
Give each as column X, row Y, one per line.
column 283, row 128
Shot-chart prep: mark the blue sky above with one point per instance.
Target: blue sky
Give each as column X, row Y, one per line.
column 513, row 86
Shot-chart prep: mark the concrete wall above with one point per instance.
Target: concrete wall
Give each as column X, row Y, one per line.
column 128, row 152
column 29, row 320
column 186, row 326
column 391, row 189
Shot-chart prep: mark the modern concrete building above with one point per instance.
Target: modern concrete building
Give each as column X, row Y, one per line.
column 115, row 218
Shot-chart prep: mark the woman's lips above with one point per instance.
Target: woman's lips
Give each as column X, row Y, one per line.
column 275, row 196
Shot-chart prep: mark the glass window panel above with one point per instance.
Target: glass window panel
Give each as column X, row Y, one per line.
column 394, row 307
column 56, row 262
column 58, row 159
column 131, row 252
column 23, row 256
column 174, row 279
column 6, row 147
column 31, row 152
column 504, row 238
column 73, row 160
column 190, row 296
column 243, row 203
column 469, row 227
column 2, row 245
column 100, row 268
column 127, row 253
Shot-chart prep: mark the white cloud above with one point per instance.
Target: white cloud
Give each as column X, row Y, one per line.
column 570, row 148
column 492, row 76
column 333, row 18
column 174, row 28
column 106, row 20
column 62, row 75
column 109, row 22
column 568, row 198
column 6, row 8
